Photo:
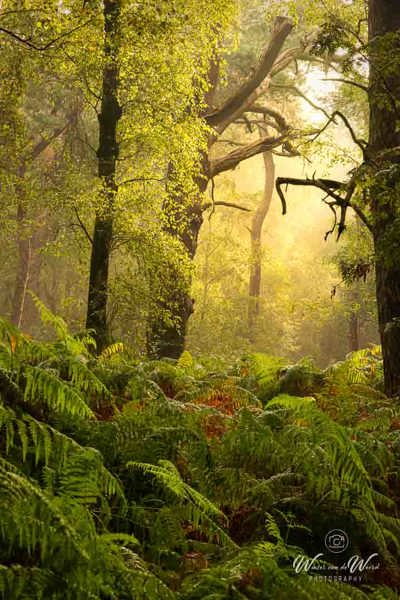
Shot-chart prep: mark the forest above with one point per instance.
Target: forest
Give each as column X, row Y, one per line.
column 200, row 299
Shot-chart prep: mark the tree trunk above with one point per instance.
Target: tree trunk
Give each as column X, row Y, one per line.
column 166, row 337
column 107, row 154
column 206, row 280
column 384, row 98
column 388, row 300
column 24, row 259
column 354, row 331
column 352, row 297
column 256, row 254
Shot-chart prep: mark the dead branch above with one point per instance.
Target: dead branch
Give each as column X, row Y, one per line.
column 331, row 188
column 231, row 160
column 82, row 225
column 297, row 92
column 279, row 119
column 208, row 205
column 362, row 144
column 281, row 30
column 349, row 82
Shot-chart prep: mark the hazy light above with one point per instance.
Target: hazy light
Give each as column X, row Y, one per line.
column 319, row 92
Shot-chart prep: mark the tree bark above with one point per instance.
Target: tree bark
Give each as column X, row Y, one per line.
column 384, row 99
column 388, row 301
column 107, row 155
column 231, row 160
column 255, row 254
column 166, row 337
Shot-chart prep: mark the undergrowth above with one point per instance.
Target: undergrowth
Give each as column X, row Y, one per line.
column 186, row 480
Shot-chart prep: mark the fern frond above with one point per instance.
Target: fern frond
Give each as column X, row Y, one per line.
column 110, row 351
column 50, row 318
column 45, row 386
column 201, row 509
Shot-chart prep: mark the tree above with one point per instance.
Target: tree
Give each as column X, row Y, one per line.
column 139, row 66
column 107, row 154
column 373, row 188
column 256, row 249
column 184, row 215
column 135, row 99
column 29, row 242
column 39, row 118
column 383, row 189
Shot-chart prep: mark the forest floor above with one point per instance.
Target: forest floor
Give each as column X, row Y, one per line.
column 193, row 480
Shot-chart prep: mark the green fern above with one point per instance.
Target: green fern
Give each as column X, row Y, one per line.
column 200, row 510
column 206, row 509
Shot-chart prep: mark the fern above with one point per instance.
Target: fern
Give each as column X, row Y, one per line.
column 200, row 510
column 111, row 351
column 45, row 386
column 153, row 504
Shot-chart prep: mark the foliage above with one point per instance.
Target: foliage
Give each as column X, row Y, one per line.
column 57, row 497
column 171, row 494
column 204, row 477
